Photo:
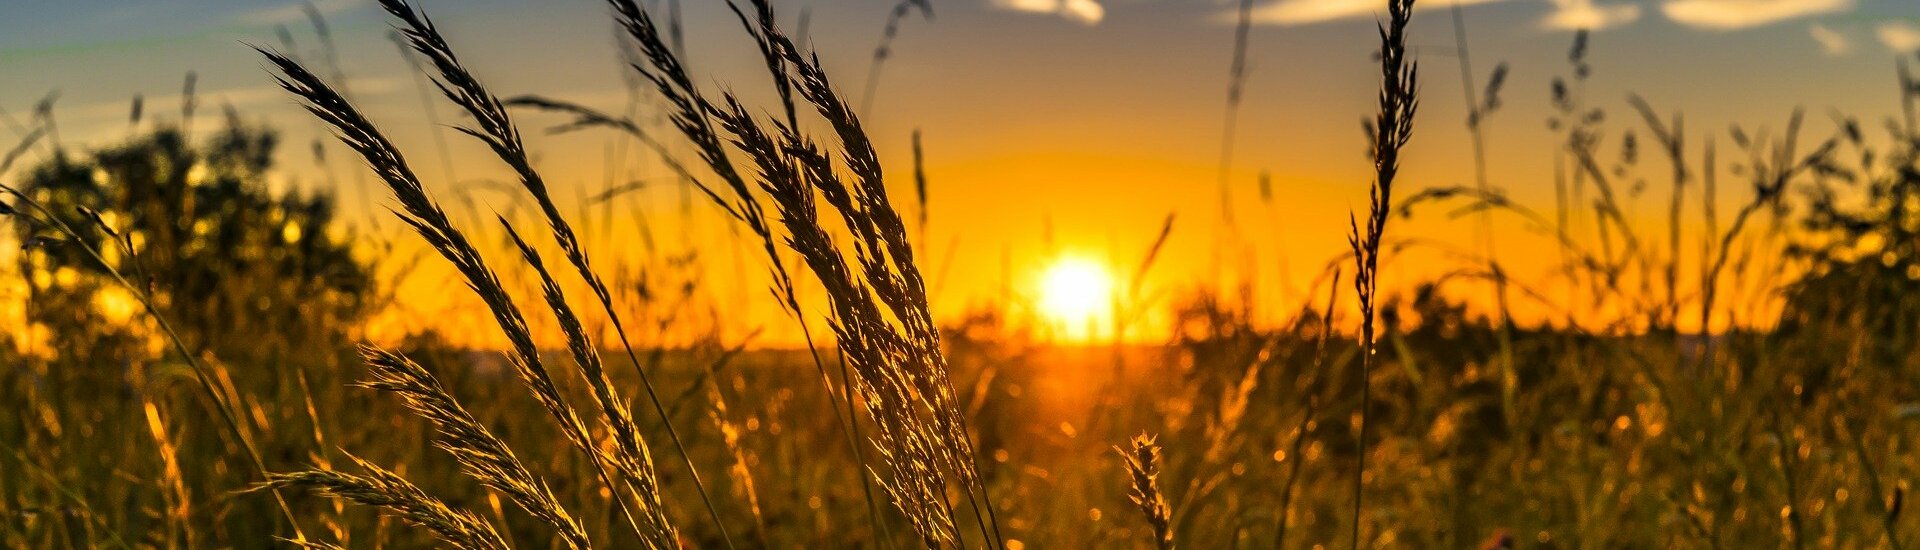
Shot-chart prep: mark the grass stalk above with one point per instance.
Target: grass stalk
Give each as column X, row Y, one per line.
column 692, row 116
column 497, row 130
column 884, row 49
column 1389, row 130
column 388, row 491
column 900, row 369
column 1141, row 458
column 1236, row 85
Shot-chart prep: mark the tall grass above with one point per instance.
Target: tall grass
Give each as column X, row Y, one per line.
column 1236, row 86
column 1388, row 132
column 496, row 129
column 1434, row 426
column 430, row 222
column 901, row 369
column 884, row 49
column 1142, row 460
column 692, row 115
column 880, row 315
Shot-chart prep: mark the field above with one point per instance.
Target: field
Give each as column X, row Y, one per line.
column 194, row 361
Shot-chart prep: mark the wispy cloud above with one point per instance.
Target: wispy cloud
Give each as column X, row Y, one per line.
column 243, row 98
column 1086, row 12
column 1584, row 14
column 1831, row 41
column 1899, row 36
column 288, row 12
column 1740, row 14
column 159, row 104
column 1300, row 12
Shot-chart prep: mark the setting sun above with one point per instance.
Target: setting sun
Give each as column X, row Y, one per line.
column 1076, row 294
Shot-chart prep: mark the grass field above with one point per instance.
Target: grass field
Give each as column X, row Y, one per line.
column 188, row 363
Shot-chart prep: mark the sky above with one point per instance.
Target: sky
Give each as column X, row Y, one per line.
column 1052, row 128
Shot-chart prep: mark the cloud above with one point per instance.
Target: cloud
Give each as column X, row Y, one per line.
column 289, row 12
column 1740, row 14
column 1086, row 12
column 243, row 98
column 1898, row 36
column 209, row 101
column 1300, row 12
column 1584, row 14
column 1831, row 41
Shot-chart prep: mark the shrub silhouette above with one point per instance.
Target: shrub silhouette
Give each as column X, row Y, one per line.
column 239, row 268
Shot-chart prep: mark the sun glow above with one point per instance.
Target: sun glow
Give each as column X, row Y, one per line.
column 1077, row 296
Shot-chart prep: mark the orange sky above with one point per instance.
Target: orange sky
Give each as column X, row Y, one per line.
column 1035, row 124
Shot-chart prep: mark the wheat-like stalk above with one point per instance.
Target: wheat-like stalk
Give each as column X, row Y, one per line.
column 691, row 115
column 1388, row 132
column 1141, row 458
column 430, row 221
column 881, row 319
column 633, row 460
column 496, row 128
column 482, row 455
column 395, row 495
column 878, row 301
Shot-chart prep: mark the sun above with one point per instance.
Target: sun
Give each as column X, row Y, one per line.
column 1077, row 295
